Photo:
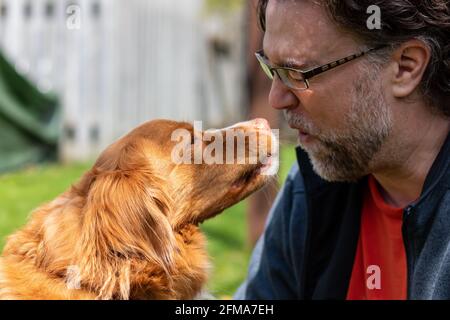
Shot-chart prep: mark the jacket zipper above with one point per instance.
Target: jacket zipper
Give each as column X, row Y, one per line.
column 409, row 250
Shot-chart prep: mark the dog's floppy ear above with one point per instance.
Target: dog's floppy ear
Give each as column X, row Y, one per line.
column 125, row 218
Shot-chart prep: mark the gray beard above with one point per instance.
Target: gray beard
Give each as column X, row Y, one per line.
column 346, row 156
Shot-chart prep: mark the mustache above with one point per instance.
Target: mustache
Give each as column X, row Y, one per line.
column 299, row 122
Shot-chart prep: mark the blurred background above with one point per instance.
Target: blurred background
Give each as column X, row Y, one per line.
column 77, row 75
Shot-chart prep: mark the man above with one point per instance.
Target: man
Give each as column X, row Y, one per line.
column 366, row 213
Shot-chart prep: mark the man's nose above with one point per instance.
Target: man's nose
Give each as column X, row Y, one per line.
column 281, row 97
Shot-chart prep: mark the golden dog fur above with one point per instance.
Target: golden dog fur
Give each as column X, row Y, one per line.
column 129, row 228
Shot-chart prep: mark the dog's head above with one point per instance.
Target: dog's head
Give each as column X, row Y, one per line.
column 163, row 176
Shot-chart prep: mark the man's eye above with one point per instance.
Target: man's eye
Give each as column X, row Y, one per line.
column 295, row 75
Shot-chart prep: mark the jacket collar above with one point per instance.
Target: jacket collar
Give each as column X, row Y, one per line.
column 439, row 169
column 333, row 217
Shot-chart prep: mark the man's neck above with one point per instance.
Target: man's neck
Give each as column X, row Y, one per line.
column 402, row 183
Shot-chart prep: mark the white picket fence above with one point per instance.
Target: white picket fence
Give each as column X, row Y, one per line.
column 118, row 63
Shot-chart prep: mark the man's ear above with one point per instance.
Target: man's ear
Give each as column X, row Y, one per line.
column 410, row 62
column 125, row 217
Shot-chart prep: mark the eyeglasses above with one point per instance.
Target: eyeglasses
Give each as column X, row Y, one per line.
column 299, row 79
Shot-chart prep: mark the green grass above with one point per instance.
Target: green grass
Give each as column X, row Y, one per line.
column 224, row 6
column 22, row 191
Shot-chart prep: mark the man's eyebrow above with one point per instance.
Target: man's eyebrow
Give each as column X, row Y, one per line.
column 293, row 63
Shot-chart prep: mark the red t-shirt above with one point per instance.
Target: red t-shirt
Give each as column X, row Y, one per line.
column 379, row 271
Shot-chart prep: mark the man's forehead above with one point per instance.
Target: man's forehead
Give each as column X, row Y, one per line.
column 299, row 30
column 299, row 13
column 293, row 33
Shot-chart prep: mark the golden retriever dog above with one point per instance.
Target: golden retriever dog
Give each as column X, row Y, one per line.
column 129, row 228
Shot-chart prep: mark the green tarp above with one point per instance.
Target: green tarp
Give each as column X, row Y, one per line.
column 29, row 121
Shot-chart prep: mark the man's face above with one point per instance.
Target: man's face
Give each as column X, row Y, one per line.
column 342, row 119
